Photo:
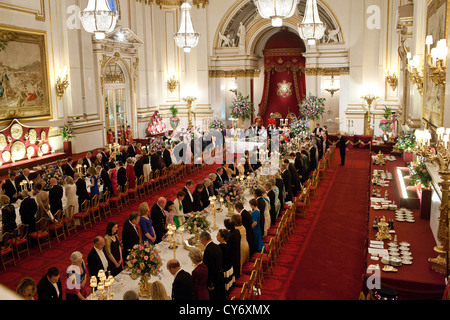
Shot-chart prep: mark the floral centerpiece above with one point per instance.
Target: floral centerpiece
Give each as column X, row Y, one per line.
column 419, row 174
column 299, row 127
column 217, row 125
column 66, row 132
column 230, row 193
column 174, row 120
column 312, row 107
column 241, row 107
column 144, row 261
column 386, row 123
column 50, row 173
column 406, row 141
column 196, row 223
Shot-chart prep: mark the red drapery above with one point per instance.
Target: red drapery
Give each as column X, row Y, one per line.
column 284, row 85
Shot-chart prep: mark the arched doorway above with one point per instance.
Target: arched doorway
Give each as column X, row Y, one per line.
column 117, row 102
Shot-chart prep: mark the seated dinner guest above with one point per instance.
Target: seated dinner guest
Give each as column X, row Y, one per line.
column 49, row 287
column 146, row 224
column 182, row 285
column 199, row 275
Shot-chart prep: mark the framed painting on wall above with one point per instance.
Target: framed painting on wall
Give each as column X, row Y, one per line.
column 24, row 80
column 434, row 95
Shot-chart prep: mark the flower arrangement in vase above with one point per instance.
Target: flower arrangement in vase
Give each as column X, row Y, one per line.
column 50, row 173
column 312, row 107
column 174, row 120
column 66, row 132
column 386, row 123
column 242, row 107
column 406, row 141
column 231, row 192
column 196, row 223
column 217, row 125
column 419, row 174
column 299, row 127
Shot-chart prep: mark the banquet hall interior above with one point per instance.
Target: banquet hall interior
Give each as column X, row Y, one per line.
column 258, row 150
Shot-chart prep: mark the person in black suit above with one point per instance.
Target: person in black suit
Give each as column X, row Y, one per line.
column 197, row 195
column 121, row 175
column 206, row 193
column 24, row 176
column 313, row 155
column 55, row 196
column 183, row 285
column 295, row 179
column 130, row 234
column 271, row 195
column 188, row 201
column 27, row 210
column 299, row 166
column 139, row 166
column 167, row 156
column 342, row 145
column 317, row 130
column 106, row 181
column 247, row 223
column 234, row 243
column 261, row 207
column 154, row 161
column 87, row 160
column 287, row 178
column 68, row 168
column 49, row 287
column 82, row 192
column 131, row 151
column 9, row 188
column 281, row 194
column 218, row 182
column 105, row 158
column 96, row 259
column 212, row 258
column 158, row 217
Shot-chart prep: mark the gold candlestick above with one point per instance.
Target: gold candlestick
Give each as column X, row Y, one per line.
column 93, row 284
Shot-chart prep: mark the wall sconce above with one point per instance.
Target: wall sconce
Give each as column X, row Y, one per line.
column 415, row 75
column 62, row 82
column 172, row 83
column 437, row 60
column 392, row 79
column 332, row 90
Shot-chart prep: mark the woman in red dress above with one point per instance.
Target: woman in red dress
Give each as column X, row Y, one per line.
column 131, row 176
column 199, row 276
column 110, row 137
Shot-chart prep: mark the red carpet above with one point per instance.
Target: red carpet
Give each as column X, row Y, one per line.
column 324, row 258
column 36, row 265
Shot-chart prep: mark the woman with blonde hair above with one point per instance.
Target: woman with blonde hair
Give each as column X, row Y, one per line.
column 146, row 224
column 27, row 288
column 158, row 291
column 70, row 189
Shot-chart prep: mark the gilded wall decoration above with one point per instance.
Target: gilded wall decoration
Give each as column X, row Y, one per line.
column 24, row 81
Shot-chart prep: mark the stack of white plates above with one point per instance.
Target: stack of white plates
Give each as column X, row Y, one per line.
column 404, row 215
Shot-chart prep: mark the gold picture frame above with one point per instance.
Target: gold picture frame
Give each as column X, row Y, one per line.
column 438, row 12
column 25, row 92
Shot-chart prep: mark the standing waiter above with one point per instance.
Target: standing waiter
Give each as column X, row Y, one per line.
column 342, row 144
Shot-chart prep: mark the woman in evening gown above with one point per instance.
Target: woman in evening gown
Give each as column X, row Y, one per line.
column 113, row 177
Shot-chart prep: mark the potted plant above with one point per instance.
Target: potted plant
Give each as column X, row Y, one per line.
column 407, row 141
column 386, row 123
column 66, row 132
column 174, row 120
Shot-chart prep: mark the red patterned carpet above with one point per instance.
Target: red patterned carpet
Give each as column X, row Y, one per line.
column 36, row 265
column 324, row 258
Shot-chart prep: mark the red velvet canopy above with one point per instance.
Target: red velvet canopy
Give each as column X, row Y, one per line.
column 284, row 78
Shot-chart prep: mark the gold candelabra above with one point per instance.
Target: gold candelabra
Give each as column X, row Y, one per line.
column 62, row 83
column 189, row 100
column 103, row 285
column 392, row 79
column 437, row 60
column 213, row 210
column 172, row 232
column 333, row 89
column 439, row 155
column 370, row 99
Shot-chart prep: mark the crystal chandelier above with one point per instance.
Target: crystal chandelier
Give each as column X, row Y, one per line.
column 311, row 28
column 277, row 10
column 186, row 37
column 98, row 18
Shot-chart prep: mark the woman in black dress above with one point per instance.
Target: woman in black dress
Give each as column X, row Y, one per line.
column 227, row 261
column 8, row 215
column 113, row 248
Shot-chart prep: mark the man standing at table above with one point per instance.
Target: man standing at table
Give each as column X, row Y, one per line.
column 55, row 196
column 212, row 258
column 182, row 285
column 68, row 169
column 158, row 217
column 82, row 192
column 342, row 145
column 130, row 234
column 49, row 287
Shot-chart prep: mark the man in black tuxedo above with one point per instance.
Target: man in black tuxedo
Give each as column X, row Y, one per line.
column 121, row 175
column 59, row 168
column 313, row 155
column 262, row 208
column 158, row 217
column 10, row 188
column 96, row 259
column 87, row 160
column 130, row 234
column 342, row 145
column 68, row 168
column 49, row 287
column 105, row 158
column 139, row 166
column 106, row 181
column 218, row 183
column 27, row 210
column 188, row 201
column 212, row 258
column 55, row 196
column 295, row 179
column 247, row 223
column 154, row 161
column 82, row 192
column 271, row 195
column 24, row 176
column 206, row 193
column 317, row 130
column 183, row 284
column 287, row 178
column 131, row 151
column 167, row 156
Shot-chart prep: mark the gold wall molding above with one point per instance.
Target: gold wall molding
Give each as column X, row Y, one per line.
column 39, row 14
column 174, row 3
column 327, row 71
column 243, row 73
